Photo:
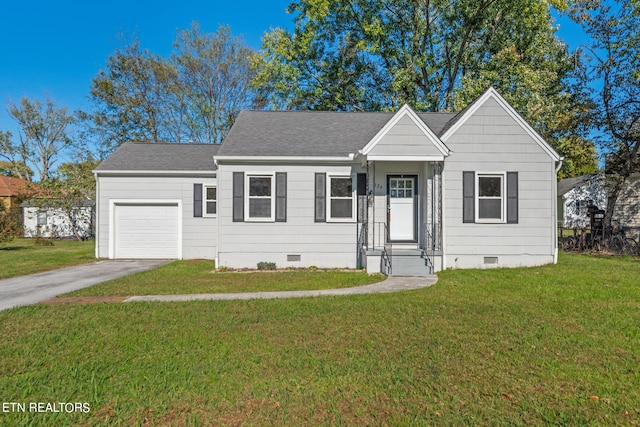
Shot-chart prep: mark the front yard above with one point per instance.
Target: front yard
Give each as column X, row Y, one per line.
column 533, row 346
column 23, row 256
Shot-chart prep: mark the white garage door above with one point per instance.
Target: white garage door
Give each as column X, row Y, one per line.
column 146, row 231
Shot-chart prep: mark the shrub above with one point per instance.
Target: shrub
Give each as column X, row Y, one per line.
column 266, row 265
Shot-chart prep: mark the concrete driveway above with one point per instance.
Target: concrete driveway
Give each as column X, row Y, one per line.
column 39, row 287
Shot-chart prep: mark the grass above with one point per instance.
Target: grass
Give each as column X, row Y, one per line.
column 199, row 276
column 553, row 345
column 23, row 256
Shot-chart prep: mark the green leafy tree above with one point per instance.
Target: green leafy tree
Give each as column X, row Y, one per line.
column 193, row 95
column 45, row 132
column 70, row 191
column 436, row 55
column 10, row 225
column 613, row 67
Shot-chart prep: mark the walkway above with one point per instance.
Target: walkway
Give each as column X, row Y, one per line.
column 391, row 284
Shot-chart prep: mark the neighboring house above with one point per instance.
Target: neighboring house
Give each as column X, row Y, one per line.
column 575, row 194
column 41, row 220
column 10, row 190
column 402, row 193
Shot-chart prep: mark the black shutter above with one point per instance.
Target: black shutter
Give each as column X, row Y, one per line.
column 281, row 197
column 238, row 196
column 321, row 197
column 361, row 191
column 468, row 196
column 512, row 197
column 197, row 200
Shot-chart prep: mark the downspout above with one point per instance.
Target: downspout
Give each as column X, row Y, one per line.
column 555, row 212
column 97, row 222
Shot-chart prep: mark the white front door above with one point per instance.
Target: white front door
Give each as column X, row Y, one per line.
column 402, row 209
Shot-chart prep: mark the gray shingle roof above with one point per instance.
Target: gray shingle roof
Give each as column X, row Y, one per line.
column 310, row 133
column 569, row 183
column 161, row 157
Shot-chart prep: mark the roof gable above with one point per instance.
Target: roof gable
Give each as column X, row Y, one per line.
column 405, row 135
column 492, row 94
column 310, row 134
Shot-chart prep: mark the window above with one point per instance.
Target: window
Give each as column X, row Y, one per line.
column 260, row 194
column 42, row 217
column 490, row 197
column 341, row 205
column 210, row 200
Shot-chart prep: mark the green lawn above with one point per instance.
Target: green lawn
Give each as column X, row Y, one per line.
column 23, row 256
column 199, row 276
column 554, row 345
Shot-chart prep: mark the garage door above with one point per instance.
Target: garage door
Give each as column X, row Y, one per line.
column 146, row 231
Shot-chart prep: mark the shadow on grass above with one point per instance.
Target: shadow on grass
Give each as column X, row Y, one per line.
column 14, row 248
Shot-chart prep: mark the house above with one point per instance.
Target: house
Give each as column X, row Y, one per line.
column 10, row 191
column 575, row 194
column 402, row 193
column 41, row 219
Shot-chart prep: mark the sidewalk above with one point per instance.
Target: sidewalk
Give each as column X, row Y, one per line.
column 391, row 284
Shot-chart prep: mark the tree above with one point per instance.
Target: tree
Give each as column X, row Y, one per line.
column 10, row 224
column 215, row 74
column 131, row 96
column 613, row 62
column 194, row 95
column 69, row 190
column 44, row 134
column 436, row 55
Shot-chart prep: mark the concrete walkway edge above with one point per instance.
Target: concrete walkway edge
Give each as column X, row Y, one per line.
column 391, row 284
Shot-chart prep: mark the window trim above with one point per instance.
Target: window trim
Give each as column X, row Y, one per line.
column 205, row 200
column 248, row 197
column 353, row 198
column 503, row 197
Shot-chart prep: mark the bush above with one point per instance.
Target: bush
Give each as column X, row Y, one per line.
column 266, row 265
column 10, row 225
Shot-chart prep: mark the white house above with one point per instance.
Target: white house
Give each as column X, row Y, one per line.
column 40, row 220
column 402, row 193
column 575, row 194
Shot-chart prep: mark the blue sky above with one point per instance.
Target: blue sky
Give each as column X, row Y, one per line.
column 55, row 48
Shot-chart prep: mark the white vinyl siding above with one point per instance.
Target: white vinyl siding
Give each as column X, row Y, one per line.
column 199, row 235
column 491, row 140
column 326, row 244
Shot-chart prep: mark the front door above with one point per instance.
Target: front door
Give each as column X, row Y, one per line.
column 402, row 208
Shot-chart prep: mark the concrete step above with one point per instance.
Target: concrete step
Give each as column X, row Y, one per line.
column 409, row 263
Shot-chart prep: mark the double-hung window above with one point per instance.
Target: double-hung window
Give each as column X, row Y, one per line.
column 340, row 194
column 260, row 191
column 210, row 200
column 490, row 197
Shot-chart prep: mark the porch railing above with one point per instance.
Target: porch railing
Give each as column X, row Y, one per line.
column 374, row 237
column 432, row 242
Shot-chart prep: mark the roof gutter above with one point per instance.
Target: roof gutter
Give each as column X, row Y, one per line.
column 283, row 159
column 97, row 173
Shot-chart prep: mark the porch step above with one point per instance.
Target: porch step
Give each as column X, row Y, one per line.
column 409, row 262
